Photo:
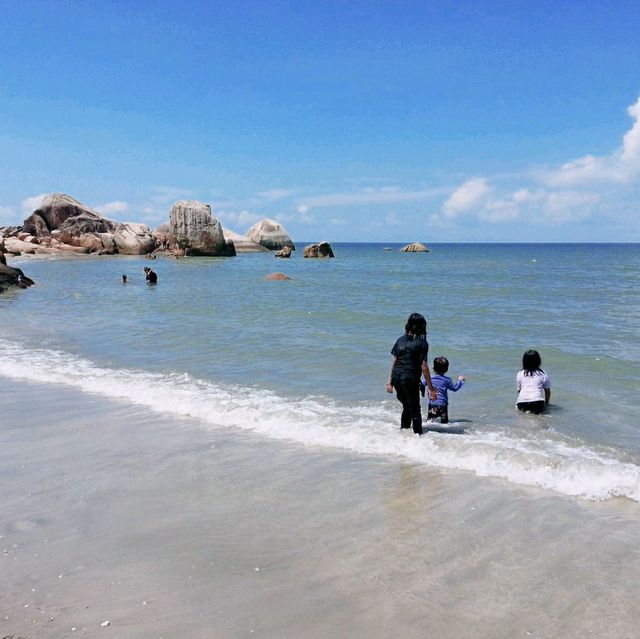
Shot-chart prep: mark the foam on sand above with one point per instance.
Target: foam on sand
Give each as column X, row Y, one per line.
column 542, row 458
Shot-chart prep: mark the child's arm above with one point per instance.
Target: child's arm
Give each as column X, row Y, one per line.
column 547, row 389
column 458, row 385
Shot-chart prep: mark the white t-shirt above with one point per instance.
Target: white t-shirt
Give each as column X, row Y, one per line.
column 531, row 387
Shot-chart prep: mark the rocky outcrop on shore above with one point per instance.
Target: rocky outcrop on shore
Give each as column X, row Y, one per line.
column 194, row 230
column 322, row 249
column 284, row 252
column 10, row 276
column 243, row 244
column 414, row 247
column 271, row 235
column 62, row 221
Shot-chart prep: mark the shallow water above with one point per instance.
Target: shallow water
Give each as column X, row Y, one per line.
column 305, row 360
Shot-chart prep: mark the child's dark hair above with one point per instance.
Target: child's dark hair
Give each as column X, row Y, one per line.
column 531, row 363
column 440, row 365
column 416, row 325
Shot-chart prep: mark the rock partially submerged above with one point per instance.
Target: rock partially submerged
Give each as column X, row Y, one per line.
column 285, row 252
column 415, row 247
column 270, row 234
column 195, row 230
column 63, row 220
column 323, row 249
column 277, row 276
column 11, row 277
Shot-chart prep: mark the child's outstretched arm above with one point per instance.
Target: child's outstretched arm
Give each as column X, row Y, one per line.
column 458, row 385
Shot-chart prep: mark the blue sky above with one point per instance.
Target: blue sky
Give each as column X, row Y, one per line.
column 346, row 121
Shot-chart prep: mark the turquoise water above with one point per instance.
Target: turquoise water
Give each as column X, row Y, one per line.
column 306, row 360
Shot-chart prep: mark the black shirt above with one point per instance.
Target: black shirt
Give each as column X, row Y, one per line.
column 409, row 352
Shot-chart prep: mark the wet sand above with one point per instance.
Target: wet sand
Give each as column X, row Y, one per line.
column 164, row 528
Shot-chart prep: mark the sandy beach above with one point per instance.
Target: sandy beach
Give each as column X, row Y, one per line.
column 163, row 528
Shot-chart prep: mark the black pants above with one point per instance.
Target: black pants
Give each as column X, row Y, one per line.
column 439, row 411
column 531, row 407
column 408, row 392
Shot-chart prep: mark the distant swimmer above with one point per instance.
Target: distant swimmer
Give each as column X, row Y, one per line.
column 150, row 275
column 124, row 279
column 534, row 386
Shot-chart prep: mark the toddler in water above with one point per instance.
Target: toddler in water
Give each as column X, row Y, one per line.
column 534, row 386
column 439, row 407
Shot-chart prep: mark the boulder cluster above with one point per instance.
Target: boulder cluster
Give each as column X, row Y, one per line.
column 62, row 224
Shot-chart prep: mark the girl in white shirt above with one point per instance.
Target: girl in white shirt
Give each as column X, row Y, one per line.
column 534, row 386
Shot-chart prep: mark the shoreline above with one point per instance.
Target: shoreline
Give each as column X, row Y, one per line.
column 167, row 527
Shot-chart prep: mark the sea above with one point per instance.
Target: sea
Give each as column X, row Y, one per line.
column 503, row 524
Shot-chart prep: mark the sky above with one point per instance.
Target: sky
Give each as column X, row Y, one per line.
column 372, row 121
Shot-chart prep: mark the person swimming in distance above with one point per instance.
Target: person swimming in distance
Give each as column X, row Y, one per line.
column 150, row 275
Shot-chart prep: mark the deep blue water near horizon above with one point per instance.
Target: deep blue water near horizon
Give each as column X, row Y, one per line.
column 278, row 357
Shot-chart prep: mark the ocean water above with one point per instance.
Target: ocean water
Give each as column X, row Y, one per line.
column 216, row 455
column 305, row 361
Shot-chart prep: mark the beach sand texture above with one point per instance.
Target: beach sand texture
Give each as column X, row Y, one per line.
column 167, row 529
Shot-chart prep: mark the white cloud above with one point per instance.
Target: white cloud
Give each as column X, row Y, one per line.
column 32, row 203
column 112, row 207
column 568, row 206
column 469, row 195
column 621, row 166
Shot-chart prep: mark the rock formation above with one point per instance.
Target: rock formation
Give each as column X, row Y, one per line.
column 12, row 277
column 193, row 227
column 271, row 235
column 243, row 244
column 285, row 252
column 62, row 220
column 415, row 247
column 277, row 276
column 323, row 249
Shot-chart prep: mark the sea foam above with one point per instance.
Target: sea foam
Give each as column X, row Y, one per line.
column 544, row 460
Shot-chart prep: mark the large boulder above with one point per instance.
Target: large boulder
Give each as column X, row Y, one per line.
column 415, row 247
column 323, row 249
column 243, row 244
column 13, row 277
column 193, row 228
column 271, row 235
column 70, row 222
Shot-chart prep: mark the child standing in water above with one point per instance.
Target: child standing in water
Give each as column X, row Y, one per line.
column 534, row 386
column 439, row 407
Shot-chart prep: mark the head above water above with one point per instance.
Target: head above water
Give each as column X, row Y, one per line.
column 416, row 325
column 440, row 365
column 531, row 362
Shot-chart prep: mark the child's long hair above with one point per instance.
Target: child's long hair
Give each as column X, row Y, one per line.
column 416, row 325
column 531, row 363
